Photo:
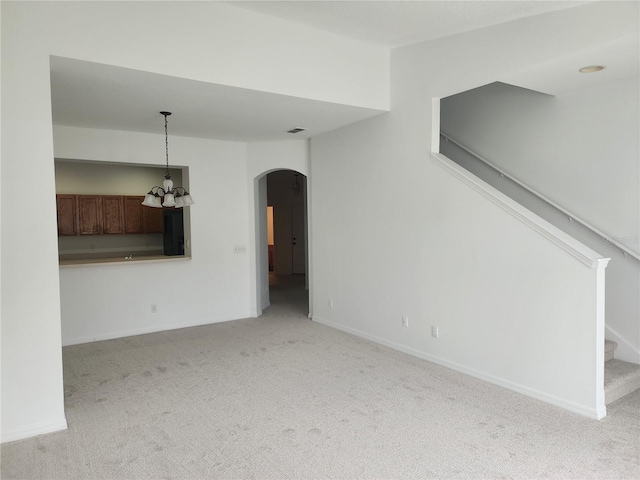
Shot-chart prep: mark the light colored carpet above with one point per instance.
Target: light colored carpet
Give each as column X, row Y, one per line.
column 620, row 379
column 281, row 397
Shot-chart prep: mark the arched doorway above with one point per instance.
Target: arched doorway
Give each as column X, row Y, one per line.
column 282, row 246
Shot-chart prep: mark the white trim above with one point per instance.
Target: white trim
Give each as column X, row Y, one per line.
column 600, row 339
column 570, row 245
column 571, row 216
column 435, row 124
column 115, row 250
column 144, row 331
column 35, row 429
column 103, row 262
column 594, row 413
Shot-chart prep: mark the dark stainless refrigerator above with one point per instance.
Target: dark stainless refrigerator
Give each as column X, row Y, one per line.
column 173, row 237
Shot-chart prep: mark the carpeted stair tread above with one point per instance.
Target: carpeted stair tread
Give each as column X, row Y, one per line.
column 620, row 379
column 609, row 349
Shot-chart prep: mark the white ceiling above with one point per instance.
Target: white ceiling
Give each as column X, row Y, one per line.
column 93, row 95
column 561, row 75
column 397, row 23
column 100, row 96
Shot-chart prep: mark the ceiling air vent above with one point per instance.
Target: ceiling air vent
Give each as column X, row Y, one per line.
column 296, row 130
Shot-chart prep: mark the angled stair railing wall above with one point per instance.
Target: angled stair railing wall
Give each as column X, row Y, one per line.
column 529, row 287
column 620, row 377
column 606, row 238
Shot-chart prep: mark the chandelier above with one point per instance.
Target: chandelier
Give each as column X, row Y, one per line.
column 171, row 196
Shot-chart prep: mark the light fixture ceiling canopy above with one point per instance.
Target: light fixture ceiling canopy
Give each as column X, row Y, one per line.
column 592, row 69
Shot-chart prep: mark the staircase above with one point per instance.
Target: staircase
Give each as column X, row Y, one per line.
column 620, row 378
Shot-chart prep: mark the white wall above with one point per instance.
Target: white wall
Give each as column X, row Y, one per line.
column 263, row 158
column 580, row 150
column 266, row 157
column 82, row 177
column 213, row 283
column 207, row 41
column 212, row 42
column 408, row 240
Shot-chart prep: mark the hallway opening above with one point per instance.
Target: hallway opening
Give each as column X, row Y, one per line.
column 282, row 238
column 289, row 291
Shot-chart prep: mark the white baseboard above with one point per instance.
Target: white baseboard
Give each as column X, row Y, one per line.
column 34, row 429
column 66, row 342
column 594, row 413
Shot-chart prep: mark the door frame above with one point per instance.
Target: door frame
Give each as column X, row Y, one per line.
column 258, row 250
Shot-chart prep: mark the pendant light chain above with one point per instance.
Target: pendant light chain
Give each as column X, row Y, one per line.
column 166, row 142
column 166, row 195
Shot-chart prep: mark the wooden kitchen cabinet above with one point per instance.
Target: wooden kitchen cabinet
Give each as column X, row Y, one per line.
column 89, row 214
column 133, row 220
column 106, row 214
column 67, row 214
column 112, row 214
column 153, row 219
column 142, row 219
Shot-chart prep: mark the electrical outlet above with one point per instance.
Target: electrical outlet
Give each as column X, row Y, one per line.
column 330, row 303
column 434, row 331
column 405, row 322
column 154, row 308
column 240, row 249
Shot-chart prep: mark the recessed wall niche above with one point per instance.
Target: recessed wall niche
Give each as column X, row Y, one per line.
column 79, row 180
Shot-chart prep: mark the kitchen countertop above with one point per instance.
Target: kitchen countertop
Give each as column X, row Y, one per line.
column 120, row 260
